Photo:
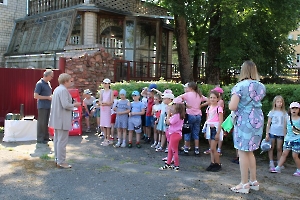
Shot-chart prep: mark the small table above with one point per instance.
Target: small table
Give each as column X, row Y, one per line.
column 19, row 130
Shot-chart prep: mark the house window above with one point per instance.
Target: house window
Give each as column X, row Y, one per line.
column 3, row 2
column 298, row 37
column 298, row 58
column 290, row 37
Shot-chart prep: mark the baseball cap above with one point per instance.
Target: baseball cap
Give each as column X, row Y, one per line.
column 135, row 93
column 294, row 105
column 218, row 89
column 122, row 91
column 152, row 86
column 106, row 80
column 116, row 93
column 87, row 91
column 178, row 100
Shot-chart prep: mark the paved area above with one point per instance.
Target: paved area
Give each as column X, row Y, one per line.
column 28, row 172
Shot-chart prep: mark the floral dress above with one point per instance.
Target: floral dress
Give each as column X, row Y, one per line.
column 249, row 124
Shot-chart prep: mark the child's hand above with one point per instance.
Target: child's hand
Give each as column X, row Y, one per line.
column 217, row 137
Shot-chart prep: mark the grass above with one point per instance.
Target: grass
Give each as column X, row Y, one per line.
column 1, row 129
column 45, row 157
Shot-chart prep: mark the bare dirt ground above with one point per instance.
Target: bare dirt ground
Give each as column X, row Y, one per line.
column 28, row 172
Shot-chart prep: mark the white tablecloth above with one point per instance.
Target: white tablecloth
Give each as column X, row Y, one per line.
column 19, row 130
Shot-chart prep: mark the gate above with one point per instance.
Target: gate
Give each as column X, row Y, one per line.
column 17, row 87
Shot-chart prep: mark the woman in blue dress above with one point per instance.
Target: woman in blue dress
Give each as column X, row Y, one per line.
column 248, row 126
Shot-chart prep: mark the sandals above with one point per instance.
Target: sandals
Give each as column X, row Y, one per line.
column 254, row 185
column 244, row 188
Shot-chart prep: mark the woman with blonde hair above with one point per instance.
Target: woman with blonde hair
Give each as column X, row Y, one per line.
column 245, row 101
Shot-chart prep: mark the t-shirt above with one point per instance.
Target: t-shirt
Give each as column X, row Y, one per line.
column 156, row 108
column 114, row 105
column 136, row 106
column 277, row 122
column 193, row 101
column 213, row 113
column 44, row 89
column 290, row 135
column 149, row 106
column 175, row 124
column 88, row 103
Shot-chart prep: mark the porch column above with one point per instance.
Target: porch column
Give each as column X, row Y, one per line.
column 90, row 28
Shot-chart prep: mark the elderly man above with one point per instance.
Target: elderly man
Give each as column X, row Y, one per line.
column 61, row 118
column 43, row 94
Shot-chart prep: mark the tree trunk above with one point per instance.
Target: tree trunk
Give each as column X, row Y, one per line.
column 212, row 70
column 196, row 62
column 182, row 49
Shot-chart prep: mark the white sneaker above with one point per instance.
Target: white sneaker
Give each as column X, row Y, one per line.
column 153, row 145
column 105, row 143
column 157, row 146
column 123, row 145
column 117, row 145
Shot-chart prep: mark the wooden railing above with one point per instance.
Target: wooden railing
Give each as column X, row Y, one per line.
column 135, row 6
column 39, row 6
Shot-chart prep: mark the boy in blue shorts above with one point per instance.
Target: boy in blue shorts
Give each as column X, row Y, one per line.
column 135, row 120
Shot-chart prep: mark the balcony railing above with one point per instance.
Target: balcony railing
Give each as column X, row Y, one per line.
column 134, row 6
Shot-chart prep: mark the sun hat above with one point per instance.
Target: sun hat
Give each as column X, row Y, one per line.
column 87, row 91
column 265, row 145
column 167, row 94
column 294, row 105
column 178, row 100
column 116, row 93
column 218, row 90
column 135, row 93
column 106, row 80
column 122, row 91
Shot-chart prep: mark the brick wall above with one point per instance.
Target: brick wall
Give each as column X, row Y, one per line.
column 90, row 28
column 14, row 9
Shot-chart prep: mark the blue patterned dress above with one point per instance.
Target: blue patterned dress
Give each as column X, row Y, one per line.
column 249, row 124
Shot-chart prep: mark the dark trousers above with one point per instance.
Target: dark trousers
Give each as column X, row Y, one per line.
column 42, row 125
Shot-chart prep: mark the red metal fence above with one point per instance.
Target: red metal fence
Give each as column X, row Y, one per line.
column 17, row 87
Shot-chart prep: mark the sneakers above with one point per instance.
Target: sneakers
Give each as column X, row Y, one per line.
column 105, row 143
column 117, row 145
column 207, row 151
column 147, row 140
column 88, row 130
column 176, row 168
column 129, row 145
column 166, row 167
column 219, row 152
column 209, row 168
column 297, row 173
column 101, row 134
column 138, row 145
column 166, row 150
column 154, row 145
column 197, row 151
column 164, row 159
column 184, row 147
column 157, row 146
column 236, row 160
column 123, row 145
column 276, row 170
column 159, row 149
column 216, row 168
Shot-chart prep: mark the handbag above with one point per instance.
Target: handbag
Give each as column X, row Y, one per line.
column 186, row 127
column 295, row 130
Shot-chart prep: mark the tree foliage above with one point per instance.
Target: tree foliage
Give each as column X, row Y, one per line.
column 232, row 31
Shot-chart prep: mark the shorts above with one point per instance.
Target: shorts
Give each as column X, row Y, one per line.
column 292, row 145
column 194, row 121
column 135, row 124
column 143, row 119
column 213, row 133
column 149, row 121
column 275, row 137
column 86, row 115
column 113, row 118
column 97, row 112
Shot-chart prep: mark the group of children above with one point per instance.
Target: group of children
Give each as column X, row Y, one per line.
column 164, row 114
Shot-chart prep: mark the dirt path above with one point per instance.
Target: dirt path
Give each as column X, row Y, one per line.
column 120, row 173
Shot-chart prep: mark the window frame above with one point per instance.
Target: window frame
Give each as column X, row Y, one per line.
column 4, row 2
